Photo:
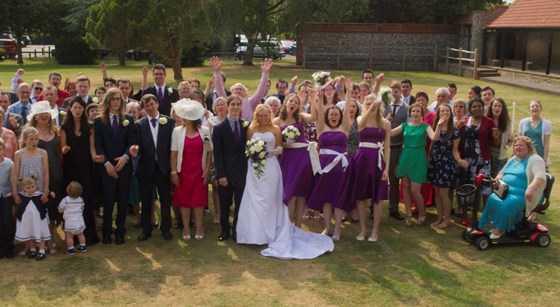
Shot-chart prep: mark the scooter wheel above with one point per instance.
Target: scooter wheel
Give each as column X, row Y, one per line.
column 482, row 243
column 543, row 240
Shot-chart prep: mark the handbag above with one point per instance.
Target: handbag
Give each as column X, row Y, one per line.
column 501, row 190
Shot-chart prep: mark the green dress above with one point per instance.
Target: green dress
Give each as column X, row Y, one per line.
column 413, row 161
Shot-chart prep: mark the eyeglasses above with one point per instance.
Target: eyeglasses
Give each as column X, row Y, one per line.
column 38, row 88
column 457, row 107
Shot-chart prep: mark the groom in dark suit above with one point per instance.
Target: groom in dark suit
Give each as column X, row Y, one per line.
column 165, row 94
column 229, row 140
column 114, row 135
column 153, row 151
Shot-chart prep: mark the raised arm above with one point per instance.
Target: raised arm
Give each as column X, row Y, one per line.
column 208, row 88
column 261, row 90
column 293, row 84
column 362, row 120
column 378, row 80
column 218, row 82
column 309, row 118
column 103, row 68
column 346, row 112
column 321, row 110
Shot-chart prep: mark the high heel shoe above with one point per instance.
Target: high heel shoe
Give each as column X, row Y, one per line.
column 336, row 236
column 360, row 237
column 372, row 239
column 199, row 237
column 186, row 237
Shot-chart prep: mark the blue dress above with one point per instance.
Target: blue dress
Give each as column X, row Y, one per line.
column 441, row 165
column 503, row 214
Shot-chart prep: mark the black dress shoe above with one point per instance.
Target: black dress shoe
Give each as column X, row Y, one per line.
column 92, row 240
column 167, row 235
column 9, row 254
column 143, row 236
column 234, row 236
column 119, row 240
column 396, row 216
column 107, row 240
column 224, row 236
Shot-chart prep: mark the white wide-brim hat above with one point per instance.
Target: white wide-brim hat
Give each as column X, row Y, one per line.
column 188, row 109
column 41, row 107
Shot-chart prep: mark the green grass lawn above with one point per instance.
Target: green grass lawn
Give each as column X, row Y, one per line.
column 408, row 266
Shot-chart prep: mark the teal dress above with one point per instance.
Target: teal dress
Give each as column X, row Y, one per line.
column 503, row 214
column 413, row 161
column 536, row 136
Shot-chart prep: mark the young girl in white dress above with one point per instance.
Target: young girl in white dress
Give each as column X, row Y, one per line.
column 32, row 224
column 72, row 207
column 31, row 161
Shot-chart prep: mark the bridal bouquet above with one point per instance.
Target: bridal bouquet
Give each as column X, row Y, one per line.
column 386, row 95
column 290, row 133
column 321, row 78
column 256, row 152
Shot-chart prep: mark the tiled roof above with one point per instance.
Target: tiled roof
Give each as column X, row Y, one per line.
column 529, row 14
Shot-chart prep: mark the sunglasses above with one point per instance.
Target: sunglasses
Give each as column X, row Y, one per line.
column 38, row 88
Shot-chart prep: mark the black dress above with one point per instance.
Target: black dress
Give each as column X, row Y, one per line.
column 77, row 166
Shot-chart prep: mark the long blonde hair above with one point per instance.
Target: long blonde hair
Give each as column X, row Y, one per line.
column 380, row 109
column 261, row 107
column 25, row 134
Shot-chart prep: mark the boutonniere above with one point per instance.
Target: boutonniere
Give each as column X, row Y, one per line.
column 95, row 100
column 244, row 123
column 125, row 122
column 170, row 90
column 162, row 120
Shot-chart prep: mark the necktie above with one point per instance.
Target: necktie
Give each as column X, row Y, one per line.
column 236, row 131
column 395, row 107
column 115, row 125
column 154, row 121
column 23, row 113
column 160, row 94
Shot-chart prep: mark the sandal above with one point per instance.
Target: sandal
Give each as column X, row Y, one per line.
column 421, row 219
column 408, row 221
column 437, row 223
column 443, row 225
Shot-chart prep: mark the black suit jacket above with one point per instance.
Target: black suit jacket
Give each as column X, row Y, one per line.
column 8, row 125
column 148, row 151
column 113, row 147
column 168, row 98
column 229, row 155
column 210, row 99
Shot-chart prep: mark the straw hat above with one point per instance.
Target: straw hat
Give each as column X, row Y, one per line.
column 41, row 107
column 188, row 109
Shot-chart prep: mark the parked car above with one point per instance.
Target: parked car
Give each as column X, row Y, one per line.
column 24, row 42
column 287, row 45
column 263, row 49
column 9, row 46
column 293, row 48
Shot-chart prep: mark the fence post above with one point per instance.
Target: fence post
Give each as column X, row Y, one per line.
column 50, row 53
column 460, row 61
column 435, row 58
column 35, row 52
column 475, row 74
column 447, row 60
column 43, row 51
column 28, row 53
column 338, row 57
column 403, row 68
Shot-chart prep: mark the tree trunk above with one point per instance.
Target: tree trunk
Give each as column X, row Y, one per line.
column 177, row 69
column 122, row 59
column 251, row 40
column 19, row 47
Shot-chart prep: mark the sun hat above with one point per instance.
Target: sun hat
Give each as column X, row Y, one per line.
column 40, row 108
column 188, row 109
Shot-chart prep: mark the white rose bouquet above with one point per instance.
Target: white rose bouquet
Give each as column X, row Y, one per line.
column 386, row 95
column 321, row 78
column 290, row 133
column 256, row 152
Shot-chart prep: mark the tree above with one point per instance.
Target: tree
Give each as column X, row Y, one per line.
column 250, row 17
column 26, row 16
column 167, row 27
column 107, row 25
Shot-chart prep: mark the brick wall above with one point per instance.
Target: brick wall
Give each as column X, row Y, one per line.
column 376, row 46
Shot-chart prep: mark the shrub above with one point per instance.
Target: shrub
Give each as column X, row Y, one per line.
column 2, row 52
column 73, row 51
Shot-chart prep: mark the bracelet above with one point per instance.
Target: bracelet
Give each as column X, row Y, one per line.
column 173, row 173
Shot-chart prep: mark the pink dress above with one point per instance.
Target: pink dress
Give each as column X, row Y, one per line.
column 191, row 191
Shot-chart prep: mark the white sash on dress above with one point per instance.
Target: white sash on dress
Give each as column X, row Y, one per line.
column 340, row 157
column 378, row 145
column 313, row 155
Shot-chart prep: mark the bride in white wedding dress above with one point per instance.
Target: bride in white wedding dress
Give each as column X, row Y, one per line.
column 263, row 217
